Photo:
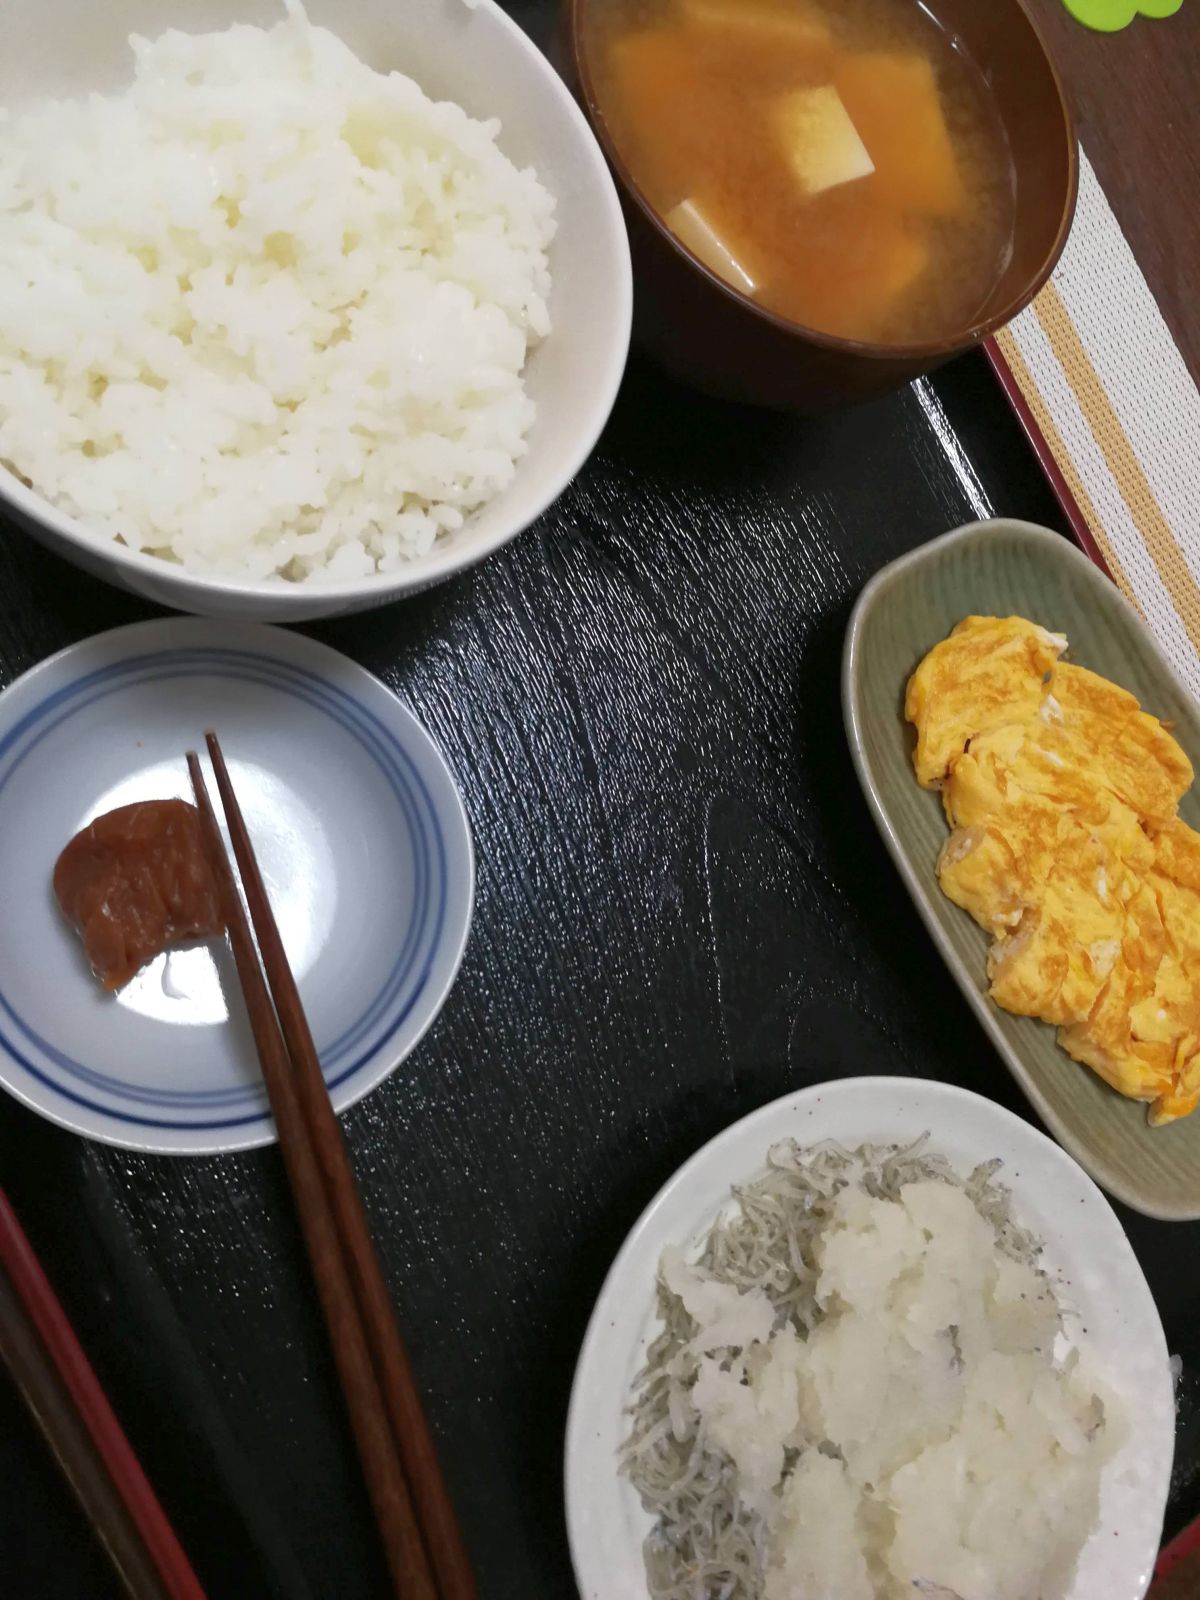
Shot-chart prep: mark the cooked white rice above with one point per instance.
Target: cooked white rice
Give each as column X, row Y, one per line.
column 266, row 313
column 857, row 1396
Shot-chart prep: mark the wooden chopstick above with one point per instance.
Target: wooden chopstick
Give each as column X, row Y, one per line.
column 411, row 1430
column 70, row 1443
column 403, row 1545
column 64, row 1396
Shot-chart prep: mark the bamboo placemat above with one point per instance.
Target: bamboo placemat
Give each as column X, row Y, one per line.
column 1112, row 411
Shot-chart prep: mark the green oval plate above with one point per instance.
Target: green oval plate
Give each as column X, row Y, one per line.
column 998, row 569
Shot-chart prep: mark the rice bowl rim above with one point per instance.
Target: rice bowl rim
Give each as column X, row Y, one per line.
column 461, row 551
column 1058, row 1202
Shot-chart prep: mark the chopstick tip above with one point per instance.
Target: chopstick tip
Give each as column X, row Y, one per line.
column 217, row 756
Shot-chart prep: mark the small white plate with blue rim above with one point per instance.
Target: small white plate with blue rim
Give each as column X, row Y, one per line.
column 1109, row 1313
column 359, row 830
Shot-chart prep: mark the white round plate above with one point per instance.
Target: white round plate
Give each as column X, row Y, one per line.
column 358, row 828
column 1086, row 1251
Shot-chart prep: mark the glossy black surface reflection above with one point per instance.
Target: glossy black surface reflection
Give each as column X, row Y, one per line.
column 683, row 911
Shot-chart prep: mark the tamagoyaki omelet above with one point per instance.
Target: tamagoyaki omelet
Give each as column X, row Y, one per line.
column 1062, row 796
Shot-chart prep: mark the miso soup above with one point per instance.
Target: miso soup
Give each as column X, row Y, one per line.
column 841, row 164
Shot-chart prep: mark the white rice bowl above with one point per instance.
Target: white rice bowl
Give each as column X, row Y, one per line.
column 266, row 314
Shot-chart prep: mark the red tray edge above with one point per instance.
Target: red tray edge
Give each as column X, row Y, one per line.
column 1080, row 530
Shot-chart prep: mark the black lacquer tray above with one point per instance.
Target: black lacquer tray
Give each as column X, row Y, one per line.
column 683, row 911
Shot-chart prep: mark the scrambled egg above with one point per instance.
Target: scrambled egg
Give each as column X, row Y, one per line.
column 1061, row 794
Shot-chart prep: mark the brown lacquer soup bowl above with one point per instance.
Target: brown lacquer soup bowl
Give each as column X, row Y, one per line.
column 704, row 331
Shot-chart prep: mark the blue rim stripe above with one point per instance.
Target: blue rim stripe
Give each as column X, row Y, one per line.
column 263, row 1115
column 403, row 778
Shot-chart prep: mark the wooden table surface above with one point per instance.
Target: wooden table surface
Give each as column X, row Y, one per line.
column 1136, row 96
column 683, row 911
